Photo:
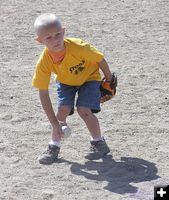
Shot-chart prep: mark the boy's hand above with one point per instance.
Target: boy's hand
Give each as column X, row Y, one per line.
column 108, row 88
column 57, row 133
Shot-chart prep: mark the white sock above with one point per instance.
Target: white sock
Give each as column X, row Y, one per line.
column 56, row 143
column 97, row 139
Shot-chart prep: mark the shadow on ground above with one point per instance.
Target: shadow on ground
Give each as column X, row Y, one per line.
column 118, row 174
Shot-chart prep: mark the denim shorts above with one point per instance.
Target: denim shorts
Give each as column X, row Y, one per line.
column 86, row 95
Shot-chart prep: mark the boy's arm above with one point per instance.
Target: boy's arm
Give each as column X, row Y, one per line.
column 47, row 106
column 109, row 82
column 105, row 69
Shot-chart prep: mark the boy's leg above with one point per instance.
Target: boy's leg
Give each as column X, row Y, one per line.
column 98, row 146
column 88, row 100
column 66, row 96
column 53, row 149
column 91, row 122
column 62, row 113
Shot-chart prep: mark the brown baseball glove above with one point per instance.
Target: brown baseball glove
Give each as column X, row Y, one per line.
column 108, row 88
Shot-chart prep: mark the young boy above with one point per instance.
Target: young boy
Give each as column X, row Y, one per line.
column 76, row 65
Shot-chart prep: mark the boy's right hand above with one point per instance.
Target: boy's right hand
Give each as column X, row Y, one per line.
column 57, row 133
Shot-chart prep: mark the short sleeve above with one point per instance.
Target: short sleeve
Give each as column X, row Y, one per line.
column 42, row 74
column 91, row 54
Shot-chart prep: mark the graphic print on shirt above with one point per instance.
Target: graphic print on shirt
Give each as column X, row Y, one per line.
column 77, row 68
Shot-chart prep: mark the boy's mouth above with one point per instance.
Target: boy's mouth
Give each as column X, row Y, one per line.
column 56, row 46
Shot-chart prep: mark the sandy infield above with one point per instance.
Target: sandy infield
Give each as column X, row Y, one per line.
column 134, row 36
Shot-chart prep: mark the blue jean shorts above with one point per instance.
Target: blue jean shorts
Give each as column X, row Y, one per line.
column 87, row 95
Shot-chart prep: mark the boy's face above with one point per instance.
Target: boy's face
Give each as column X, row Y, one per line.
column 52, row 37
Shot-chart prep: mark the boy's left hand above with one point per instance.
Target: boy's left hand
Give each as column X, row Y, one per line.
column 108, row 88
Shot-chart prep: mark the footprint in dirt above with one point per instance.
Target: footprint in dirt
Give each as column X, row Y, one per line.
column 47, row 194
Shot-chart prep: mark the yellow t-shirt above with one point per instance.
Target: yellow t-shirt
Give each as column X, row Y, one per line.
column 79, row 65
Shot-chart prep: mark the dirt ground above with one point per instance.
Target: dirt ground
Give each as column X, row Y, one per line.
column 134, row 36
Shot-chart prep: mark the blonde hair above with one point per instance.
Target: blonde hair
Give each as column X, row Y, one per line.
column 45, row 21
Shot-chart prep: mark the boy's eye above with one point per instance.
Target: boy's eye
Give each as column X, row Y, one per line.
column 57, row 35
column 48, row 38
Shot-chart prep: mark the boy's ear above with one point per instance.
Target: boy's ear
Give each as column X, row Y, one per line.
column 38, row 39
column 63, row 30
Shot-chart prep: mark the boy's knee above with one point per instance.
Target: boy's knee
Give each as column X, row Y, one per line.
column 63, row 112
column 84, row 112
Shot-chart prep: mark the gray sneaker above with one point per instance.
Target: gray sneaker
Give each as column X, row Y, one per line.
column 49, row 156
column 98, row 149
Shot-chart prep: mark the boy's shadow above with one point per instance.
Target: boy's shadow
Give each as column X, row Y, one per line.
column 119, row 174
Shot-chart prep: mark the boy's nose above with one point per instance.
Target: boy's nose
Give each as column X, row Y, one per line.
column 55, row 40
